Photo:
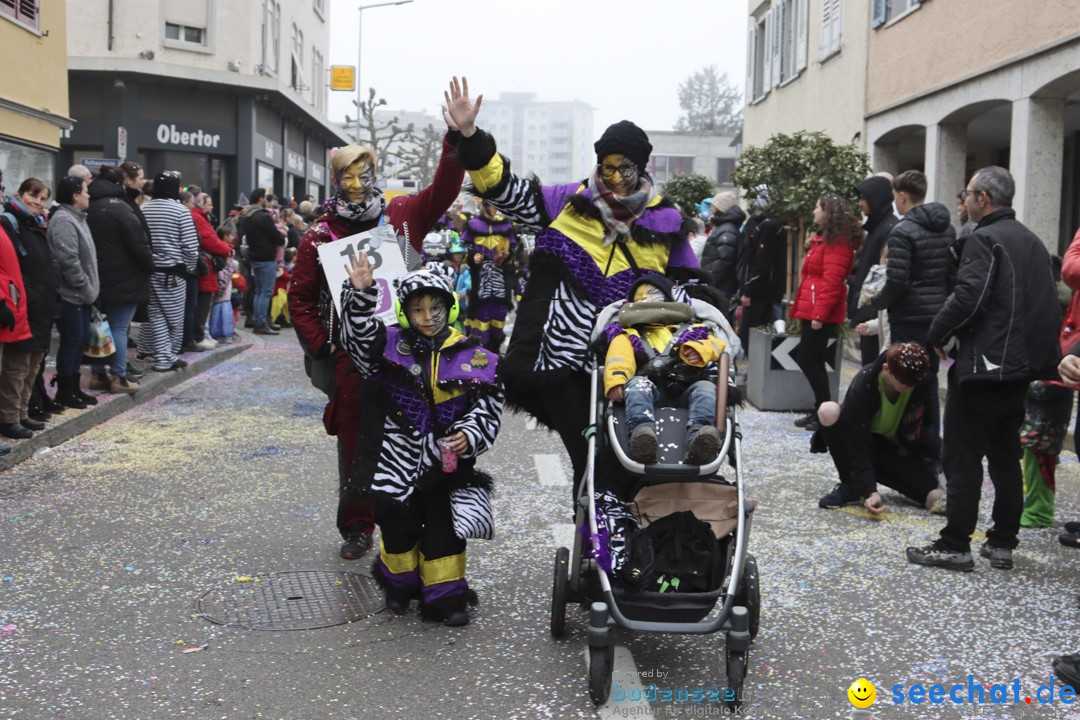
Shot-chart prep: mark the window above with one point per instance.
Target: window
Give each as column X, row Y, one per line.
column 832, row 21
column 664, row 167
column 318, row 80
column 724, row 168
column 187, row 25
column 271, row 37
column 776, row 47
column 885, row 11
column 296, row 75
column 759, row 56
column 24, row 12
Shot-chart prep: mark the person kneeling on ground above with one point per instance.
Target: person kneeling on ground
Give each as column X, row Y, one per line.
column 431, row 395
column 883, row 433
column 657, row 356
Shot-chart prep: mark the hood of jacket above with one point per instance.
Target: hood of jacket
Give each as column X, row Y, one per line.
column 877, row 191
column 101, row 188
column 932, row 216
column 734, row 215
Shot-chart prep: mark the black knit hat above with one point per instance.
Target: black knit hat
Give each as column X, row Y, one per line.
column 661, row 283
column 625, row 138
column 167, row 185
column 67, row 188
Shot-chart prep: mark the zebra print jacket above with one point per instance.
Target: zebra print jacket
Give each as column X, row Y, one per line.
column 489, row 238
column 415, row 394
column 573, row 274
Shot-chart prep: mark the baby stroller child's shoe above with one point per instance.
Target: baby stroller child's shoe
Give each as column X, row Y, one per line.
column 704, row 446
column 643, row 445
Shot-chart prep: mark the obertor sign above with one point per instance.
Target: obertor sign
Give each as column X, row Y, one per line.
column 169, row 135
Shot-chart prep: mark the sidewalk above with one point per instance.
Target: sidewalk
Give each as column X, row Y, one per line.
column 71, row 422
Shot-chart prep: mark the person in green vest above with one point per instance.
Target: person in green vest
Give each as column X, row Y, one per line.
column 884, row 434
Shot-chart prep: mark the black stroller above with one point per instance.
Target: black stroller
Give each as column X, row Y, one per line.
column 657, row 490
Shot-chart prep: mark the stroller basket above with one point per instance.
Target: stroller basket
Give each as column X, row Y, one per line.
column 673, row 607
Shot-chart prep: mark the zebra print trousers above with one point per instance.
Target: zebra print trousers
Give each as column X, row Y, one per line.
column 168, row 294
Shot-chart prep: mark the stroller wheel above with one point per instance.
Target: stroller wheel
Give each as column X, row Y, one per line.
column 736, row 674
column 600, row 662
column 749, row 595
column 558, row 592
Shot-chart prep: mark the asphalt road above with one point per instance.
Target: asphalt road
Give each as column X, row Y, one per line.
column 108, row 541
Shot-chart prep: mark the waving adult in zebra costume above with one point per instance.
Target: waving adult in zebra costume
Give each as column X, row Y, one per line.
column 426, row 385
column 594, row 238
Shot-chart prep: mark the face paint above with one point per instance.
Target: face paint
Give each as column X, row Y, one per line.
column 358, row 181
column 427, row 313
column 619, row 173
column 648, row 293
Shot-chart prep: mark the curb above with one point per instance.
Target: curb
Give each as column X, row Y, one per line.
column 58, row 432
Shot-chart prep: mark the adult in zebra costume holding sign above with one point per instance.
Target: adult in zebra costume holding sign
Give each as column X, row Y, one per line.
column 431, row 405
column 594, row 238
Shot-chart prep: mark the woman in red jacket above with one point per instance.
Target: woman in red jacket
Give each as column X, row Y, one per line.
column 821, row 299
column 357, row 206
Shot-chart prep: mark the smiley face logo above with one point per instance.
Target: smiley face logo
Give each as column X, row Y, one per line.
column 862, row 693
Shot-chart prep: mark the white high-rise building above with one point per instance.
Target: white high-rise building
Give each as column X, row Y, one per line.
column 553, row 139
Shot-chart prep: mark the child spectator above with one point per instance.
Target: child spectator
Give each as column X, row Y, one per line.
column 222, row 318
column 432, row 398
column 279, row 303
column 657, row 354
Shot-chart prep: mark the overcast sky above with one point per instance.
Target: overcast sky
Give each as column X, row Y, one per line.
column 624, row 57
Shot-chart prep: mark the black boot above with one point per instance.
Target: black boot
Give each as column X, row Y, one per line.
column 39, row 397
column 76, row 380
column 65, row 396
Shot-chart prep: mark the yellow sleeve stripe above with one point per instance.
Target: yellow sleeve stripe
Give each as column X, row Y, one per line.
column 488, row 176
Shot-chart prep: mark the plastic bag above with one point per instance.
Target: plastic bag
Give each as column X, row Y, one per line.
column 99, row 341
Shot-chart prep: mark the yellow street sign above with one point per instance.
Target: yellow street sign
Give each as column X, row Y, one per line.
column 343, row 77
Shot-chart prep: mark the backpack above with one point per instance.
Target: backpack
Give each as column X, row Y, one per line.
column 683, row 555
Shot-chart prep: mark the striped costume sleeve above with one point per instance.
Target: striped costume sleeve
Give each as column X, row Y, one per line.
column 519, row 199
column 481, row 423
column 189, row 240
column 359, row 330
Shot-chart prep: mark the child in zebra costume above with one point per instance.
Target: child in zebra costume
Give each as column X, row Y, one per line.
column 593, row 239
column 427, row 384
column 658, row 354
column 490, row 247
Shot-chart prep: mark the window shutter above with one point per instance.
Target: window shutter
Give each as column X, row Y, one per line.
column 750, row 58
column 837, row 19
column 28, row 12
column 767, row 64
column 825, row 41
column 802, row 22
column 879, row 13
column 778, row 44
column 190, row 13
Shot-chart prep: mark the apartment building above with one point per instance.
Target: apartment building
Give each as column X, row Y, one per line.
column 34, row 93
column 677, row 153
column 232, row 93
column 954, row 87
column 806, row 69
column 552, row 139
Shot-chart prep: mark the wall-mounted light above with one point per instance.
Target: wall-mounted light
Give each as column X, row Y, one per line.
column 234, row 65
column 118, row 85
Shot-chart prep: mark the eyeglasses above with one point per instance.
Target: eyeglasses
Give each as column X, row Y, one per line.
column 964, row 193
column 626, row 171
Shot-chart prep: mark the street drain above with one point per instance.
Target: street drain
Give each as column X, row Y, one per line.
column 302, row 600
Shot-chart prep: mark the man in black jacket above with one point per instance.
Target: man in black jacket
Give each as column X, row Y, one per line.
column 762, row 269
column 262, row 239
column 721, row 251
column 1005, row 316
column 876, row 201
column 883, row 432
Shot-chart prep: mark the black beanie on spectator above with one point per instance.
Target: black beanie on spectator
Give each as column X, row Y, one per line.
column 67, row 188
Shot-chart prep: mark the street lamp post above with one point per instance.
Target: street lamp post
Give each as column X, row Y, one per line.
column 360, row 56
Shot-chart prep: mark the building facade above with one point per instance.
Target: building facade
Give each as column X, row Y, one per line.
column 34, row 92
column 554, row 140
column 232, row 93
column 806, row 69
column 679, row 153
column 941, row 102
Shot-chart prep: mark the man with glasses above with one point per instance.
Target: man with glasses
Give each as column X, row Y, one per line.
column 1004, row 315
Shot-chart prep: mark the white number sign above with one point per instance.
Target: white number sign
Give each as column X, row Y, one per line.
column 386, row 260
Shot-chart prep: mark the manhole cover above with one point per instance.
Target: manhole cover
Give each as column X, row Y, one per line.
column 301, row 600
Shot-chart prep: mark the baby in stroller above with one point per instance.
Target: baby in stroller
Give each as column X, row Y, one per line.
column 659, row 355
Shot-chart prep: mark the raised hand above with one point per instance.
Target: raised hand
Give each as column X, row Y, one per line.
column 459, row 111
column 359, row 270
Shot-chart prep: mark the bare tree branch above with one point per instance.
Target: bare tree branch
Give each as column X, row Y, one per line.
column 368, row 131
